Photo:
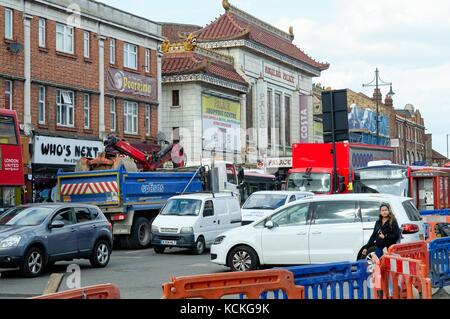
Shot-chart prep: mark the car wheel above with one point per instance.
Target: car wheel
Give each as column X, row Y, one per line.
column 159, row 249
column 33, row 264
column 101, row 254
column 243, row 258
column 200, row 246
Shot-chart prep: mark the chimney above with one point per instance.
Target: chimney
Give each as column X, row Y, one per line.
column 389, row 102
column 378, row 96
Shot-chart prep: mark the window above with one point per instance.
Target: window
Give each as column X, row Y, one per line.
column 147, row 60
column 64, row 38
column 148, row 112
column 41, row 105
column 292, row 199
column 86, row 44
column 83, row 215
column 8, row 24
column 64, row 216
column 87, row 111
column 292, row 216
column 8, row 95
column 42, row 24
column 131, row 118
column 176, row 135
column 208, row 211
column 335, row 212
column 130, row 56
column 175, row 98
column 269, row 115
column 370, row 211
column 277, row 119
column 8, row 135
column 65, row 108
column 112, row 110
column 287, row 120
column 112, row 51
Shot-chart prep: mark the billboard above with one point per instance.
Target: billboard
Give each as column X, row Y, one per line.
column 130, row 83
column 221, row 120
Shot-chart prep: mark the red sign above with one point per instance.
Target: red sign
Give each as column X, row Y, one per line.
column 11, row 167
column 304, row 123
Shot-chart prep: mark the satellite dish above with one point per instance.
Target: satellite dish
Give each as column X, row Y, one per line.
column 15, row 47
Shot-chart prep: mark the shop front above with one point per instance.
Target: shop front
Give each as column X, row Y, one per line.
column 52, row 154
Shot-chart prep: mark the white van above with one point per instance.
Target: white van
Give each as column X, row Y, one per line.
column 194, row 221
column 262, row 204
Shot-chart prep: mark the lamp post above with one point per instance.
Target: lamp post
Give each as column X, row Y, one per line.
column 379, row 82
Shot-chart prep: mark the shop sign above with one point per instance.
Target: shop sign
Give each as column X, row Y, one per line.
column 279, row 162
column 130, row 83
column 64, row 151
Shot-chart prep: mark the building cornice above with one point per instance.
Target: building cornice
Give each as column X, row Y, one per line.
column 262, row 50
column 183, row 78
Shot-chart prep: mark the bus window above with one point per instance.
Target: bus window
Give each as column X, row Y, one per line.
column 8, row 134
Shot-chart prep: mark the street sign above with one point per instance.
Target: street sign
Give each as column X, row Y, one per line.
column 334, row 104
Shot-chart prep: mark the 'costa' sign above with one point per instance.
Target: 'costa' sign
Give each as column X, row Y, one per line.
column 64, row 151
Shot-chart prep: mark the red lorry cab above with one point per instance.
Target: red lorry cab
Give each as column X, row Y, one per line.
column 313, row 165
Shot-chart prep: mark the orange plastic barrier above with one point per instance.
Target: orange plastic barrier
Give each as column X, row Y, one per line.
column 418, row 251
column 215, row 286
column 107, row 291
column 403, row 278
column 433, row 221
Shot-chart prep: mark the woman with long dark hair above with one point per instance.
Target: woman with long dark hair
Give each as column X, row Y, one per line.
column 386, row 232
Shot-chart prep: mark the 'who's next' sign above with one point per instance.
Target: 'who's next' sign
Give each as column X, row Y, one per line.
column 64, row 151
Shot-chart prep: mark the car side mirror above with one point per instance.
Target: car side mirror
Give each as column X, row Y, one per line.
column 269, row 224
column 56, row 224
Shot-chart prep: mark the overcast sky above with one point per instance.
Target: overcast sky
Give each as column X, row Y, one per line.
column 407, row 40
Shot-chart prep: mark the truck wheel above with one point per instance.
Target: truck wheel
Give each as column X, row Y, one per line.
column 141, row 235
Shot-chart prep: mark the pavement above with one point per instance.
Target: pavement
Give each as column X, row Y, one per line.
column 138, row 274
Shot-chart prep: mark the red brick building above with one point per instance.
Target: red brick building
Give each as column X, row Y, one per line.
column 76, row 74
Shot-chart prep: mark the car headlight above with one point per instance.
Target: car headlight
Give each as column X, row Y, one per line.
column 187, row 230
column 155, row 229
column 10, row 242
column 219, row 240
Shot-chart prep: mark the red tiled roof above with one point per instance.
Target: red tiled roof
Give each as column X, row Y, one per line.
column 175, row 32
column 192, row 62
column 231, row 26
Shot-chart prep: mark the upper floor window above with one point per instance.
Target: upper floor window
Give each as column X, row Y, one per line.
column 113, row 114
column 65, row 105
column 42, row 24
column 8, row 95
column 86, row 41
column 148, row 123
column 130, row 52
column 112, row 51
column 9, row 24
column 41, row 110
column 64, row 38
column 87, row 111
column 130, row 118
column 147, row 60
column 175, row 98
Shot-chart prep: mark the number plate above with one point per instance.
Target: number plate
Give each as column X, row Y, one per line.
column 169, row 242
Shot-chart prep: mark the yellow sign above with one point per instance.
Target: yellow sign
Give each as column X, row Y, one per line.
column 221, row 109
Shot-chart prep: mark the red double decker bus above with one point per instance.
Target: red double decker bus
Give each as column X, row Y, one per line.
column 11, row 168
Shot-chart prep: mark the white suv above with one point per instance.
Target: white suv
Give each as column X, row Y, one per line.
column 321, row 229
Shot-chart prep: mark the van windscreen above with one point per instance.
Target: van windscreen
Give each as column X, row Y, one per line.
column 182, row 207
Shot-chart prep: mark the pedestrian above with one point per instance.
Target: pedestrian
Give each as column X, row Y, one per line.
column 386, row 232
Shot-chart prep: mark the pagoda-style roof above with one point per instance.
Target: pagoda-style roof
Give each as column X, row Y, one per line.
column 236, row 24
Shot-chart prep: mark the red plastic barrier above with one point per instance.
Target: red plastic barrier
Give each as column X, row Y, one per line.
column 418, row 251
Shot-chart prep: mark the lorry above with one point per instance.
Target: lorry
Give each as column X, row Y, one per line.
column 313, row 166
column 132, row 199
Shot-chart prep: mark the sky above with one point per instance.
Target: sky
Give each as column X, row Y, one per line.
column 404, row 39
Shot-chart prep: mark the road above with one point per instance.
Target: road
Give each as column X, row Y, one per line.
column 138, row 274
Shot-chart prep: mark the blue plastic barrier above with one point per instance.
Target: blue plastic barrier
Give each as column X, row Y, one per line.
column 334, row 280
column 440, row 262
column 441, row 212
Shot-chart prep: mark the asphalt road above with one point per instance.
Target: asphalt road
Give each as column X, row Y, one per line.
column 138, row 274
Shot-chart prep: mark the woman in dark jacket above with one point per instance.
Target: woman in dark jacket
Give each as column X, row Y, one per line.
column 386, row 232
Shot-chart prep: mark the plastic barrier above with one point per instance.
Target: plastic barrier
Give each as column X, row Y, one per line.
column 440, row 262
column 433, row 223
column 107, row 291
column 418, row 251
column 403, row 278
column 440, row 212
column 251, row 284
column 334, row 281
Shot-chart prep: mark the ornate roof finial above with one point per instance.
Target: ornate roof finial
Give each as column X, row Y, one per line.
column 291, row 32
column 226, row 5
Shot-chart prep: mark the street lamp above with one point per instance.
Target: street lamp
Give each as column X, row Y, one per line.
column 379, row 82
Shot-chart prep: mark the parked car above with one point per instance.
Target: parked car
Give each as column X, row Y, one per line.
column 316, row 230
column 194, row 221
column 262, row 204
column 35, row 236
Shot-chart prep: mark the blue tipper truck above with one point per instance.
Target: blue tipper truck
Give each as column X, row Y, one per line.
column 129, row 200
